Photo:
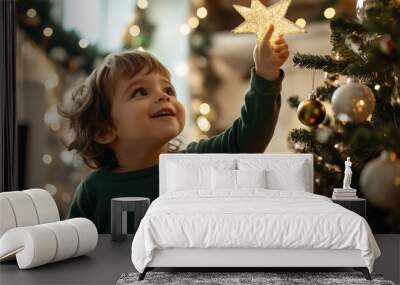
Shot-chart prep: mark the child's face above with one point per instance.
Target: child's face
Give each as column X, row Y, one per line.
column 135, row 102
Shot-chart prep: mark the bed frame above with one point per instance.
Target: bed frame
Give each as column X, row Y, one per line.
column 248, row 259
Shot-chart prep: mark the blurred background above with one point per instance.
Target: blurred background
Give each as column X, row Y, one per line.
column 60, row 41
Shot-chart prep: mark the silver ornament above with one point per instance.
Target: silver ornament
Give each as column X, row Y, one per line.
column 380, row 181
column 353, row 102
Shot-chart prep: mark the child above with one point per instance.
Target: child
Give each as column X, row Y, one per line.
column 126, row 114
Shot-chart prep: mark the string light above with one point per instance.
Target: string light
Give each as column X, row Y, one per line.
column 203, row 123
column 377, row 87
column 143, row 4
column 83, row 43
column 134, row 30
column 301, row 22
column 47, row 159
column 193, row 22
column 47, row 32
column 329, row 13
column 204, row 108
column 31, row 13
column 184, row 29
column 201, row 12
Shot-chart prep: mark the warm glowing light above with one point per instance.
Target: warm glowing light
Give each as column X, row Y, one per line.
column 329, row 13
column 203, row 123
column 47, row 32
column 193, row 22
column 47, row 159
column 134, row 30
column 184, row 29
column 201, row 12
column 83, row 43
column 204, row 108
column 143, row 4
column 31, row 13
column 377, row 87
column 301, row 22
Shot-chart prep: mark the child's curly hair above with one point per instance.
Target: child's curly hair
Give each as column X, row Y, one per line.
column 89, row 107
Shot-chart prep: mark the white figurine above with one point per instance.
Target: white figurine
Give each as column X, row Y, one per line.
column 347, row 174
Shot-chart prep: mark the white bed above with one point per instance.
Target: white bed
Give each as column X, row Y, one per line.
column 196, row 222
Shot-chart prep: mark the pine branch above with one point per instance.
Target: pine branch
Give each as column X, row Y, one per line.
column 324, row 62
column 358, row 68
column 346, row 26
column 324, row 93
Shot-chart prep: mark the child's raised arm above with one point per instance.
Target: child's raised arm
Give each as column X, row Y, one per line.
column 253, row 130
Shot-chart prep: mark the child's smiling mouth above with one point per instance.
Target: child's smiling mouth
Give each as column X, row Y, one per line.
column 164, row 112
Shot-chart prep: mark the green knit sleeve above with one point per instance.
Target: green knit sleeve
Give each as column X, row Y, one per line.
column 253, row 130
column 81, row 205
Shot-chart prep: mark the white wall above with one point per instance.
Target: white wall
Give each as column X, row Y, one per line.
column 172, row 48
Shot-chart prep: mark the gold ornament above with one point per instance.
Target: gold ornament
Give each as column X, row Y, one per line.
column 258, row 18
column 380, row 181
column 311, row 111
column 353, row 102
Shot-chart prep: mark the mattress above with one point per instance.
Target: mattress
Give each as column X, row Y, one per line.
column 250, row 218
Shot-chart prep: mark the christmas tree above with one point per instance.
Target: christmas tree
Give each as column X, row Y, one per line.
column 365, row 124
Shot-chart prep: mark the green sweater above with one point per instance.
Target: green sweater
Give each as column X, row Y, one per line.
column 250, row 133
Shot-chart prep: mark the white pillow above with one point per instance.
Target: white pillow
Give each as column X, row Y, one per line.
column 282, row 174
column 228, row 179
column 223, row 179
column 183, row 177
column 294, row 180
column 251, row 178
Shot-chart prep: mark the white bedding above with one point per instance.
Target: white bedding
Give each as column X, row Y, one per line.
column 250, row 218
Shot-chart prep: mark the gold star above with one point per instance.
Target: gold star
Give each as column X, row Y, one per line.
column 258, row 18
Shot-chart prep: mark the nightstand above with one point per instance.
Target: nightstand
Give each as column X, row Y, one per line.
column 358, row 205
column 119, row 208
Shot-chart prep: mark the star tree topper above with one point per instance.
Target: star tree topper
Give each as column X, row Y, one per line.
column 258, row 18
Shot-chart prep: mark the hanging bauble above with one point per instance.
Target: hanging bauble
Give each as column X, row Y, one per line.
column 361, row 8
column 311, row 111
column 380, row 181
column 353, row 102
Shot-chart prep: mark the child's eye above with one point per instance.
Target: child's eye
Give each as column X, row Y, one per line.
column 139, row 91
column 170, row 91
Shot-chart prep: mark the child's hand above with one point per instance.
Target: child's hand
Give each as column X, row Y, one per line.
column 268, row 59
